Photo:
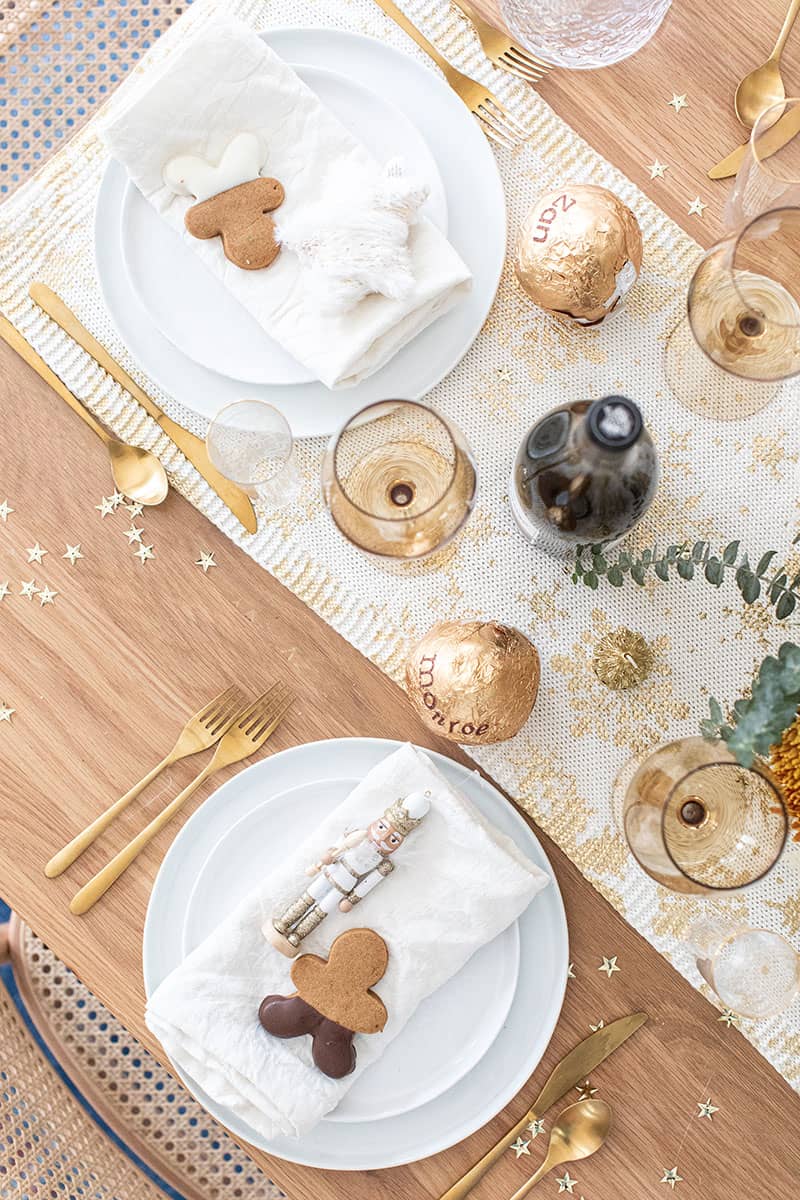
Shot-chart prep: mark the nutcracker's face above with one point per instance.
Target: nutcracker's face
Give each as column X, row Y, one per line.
column 384, row 836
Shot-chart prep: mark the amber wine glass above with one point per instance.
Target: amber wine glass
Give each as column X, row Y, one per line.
column 698, row 822
column 741, row 334
column 399, row 480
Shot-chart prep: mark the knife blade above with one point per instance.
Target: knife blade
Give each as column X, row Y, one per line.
column 191, row 446
column 573, row 1069
column 774, row 139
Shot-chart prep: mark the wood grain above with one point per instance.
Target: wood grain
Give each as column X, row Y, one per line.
column 102, row 679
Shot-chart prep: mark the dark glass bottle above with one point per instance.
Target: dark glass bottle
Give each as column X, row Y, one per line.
column 584, row 475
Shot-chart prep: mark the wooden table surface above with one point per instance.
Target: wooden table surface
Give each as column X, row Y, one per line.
column 102, row 677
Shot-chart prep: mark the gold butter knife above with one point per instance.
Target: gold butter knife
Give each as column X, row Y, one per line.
column 774, row 139
column 189, row 444
column 572, row 1070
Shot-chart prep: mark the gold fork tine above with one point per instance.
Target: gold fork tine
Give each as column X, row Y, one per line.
column 199, row 733
column 491, row 120
column 505, row 118
column 247, row 731
column 499, row 48
column 494, row 133
column 521, row 70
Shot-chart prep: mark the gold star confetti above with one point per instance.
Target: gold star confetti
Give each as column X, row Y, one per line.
column 600, row 1025
column 206, row 561
column 29, row 590
column 47, row 596
column 657, row 169
column 134, row 534
column 73, row 553
column 571, row 971
column 535, row 1128
column 5, row 590
column 520, row 1147
column 729, row 1018
column 566, row 1184
column 696, row 207
column 707, row 1109
column 672, row 1177
column 5, row 511
column 504, row 375
column 35, row 553
column 105, row 507
column 134, row 509
column 586, row 1090
column 116, row 499
column 678, row 102
column 144, row 552
column 609, row 965
column 6, row 713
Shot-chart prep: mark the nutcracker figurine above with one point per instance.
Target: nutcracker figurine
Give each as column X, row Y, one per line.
column 347, row 873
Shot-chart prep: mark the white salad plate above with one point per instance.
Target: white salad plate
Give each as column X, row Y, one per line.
column 194, row 309
column 235, row 830
column 450, row 1032
column 476, row 225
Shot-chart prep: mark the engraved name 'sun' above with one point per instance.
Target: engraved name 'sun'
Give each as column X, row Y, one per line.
column 549, row 214
column 426, row 665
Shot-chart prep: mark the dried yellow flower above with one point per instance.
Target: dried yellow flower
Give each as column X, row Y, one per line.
column 785, row 763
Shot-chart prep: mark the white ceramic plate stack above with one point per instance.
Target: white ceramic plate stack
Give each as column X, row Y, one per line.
column 467, row 1050
column 190, row 335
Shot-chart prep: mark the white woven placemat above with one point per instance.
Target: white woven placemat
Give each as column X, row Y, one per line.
column 720, row 481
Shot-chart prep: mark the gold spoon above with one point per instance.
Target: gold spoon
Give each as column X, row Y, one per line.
column 137, row 473
column 764, row 86
column 579, row 1131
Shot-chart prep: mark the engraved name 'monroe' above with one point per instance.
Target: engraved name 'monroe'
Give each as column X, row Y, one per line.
column 549, row 214
column 426, row 665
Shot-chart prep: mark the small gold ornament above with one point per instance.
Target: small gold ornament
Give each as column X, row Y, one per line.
column 473, row 682
column 622, row 659
column 579, row 252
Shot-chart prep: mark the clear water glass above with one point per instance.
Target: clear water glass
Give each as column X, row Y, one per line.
column 250, row 443
column 583, row 34
column 754, row 972
column 769, row 176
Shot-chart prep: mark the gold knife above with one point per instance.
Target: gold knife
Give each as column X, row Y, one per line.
column 774, row 139
column 189, row 444
column 572, row 1069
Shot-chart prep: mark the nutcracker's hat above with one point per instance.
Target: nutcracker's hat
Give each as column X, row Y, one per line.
column 406, row 814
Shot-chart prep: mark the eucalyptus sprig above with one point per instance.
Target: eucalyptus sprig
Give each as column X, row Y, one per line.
column 775, row 584
column 758, row 721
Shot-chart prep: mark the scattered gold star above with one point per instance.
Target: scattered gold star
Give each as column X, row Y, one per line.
column 5, row 511
column 657, row 169
column 586, row 1090
column 73, row 553
column 678, row 102
column 571, row 971
column 696, row 207
column 206, row 561
column 566, row 1184
column 520, row 1147
column 5, row 590
column 105, row 507
column 672, row 1177
column 116, row 499
column 609, row 965
column 504, row 374
column 134, row 508
column 47, row 596
column 29, row 589
column 707, row 1109
column 35, row 553
column 6, row 713
column 144, row 552
column 535, row 1128
column 729, row 1018
column 600, row 1025
column 134, row 534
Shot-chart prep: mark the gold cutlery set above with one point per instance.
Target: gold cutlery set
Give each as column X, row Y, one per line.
column 236, row 728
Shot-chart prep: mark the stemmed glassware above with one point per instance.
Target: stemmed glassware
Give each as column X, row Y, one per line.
column 399, row 480
column 754, row 972
column 769, row 176
column 250, row 443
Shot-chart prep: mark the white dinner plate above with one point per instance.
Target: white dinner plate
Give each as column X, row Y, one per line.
column 511, row 1057
column 194, row 309
column 476, row 227
column 450, row 1031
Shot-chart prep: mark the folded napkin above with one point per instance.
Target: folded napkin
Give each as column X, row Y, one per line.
column 225, row 82
column 457, row 883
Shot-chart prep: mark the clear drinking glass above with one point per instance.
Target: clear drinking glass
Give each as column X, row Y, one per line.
column 583, row 34
column 755, row 972
column 698, row 822
column 399, row 480
column 743, row 320
column 250, row 443
column 769, row 176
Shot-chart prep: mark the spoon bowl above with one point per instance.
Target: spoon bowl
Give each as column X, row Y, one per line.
column 137, row 473
column 579, row 1131
column 760, row 89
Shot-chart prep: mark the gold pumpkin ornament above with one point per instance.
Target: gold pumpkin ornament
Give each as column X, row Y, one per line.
column 473, row 682
column 622, row 659
column 579, row 252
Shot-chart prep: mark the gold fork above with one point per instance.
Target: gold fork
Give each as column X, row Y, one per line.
column 500, row 49
column 199, row 733
column 248, row 732
column 497, row 122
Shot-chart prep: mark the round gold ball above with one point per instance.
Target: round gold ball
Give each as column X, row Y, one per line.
column 579, row 252
column 622, row 659
column 473, row 682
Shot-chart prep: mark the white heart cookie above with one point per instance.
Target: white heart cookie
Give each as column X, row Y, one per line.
column 191, row 175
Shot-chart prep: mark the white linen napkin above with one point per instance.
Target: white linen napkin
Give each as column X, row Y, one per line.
column 227, row 81
column 457, row 883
